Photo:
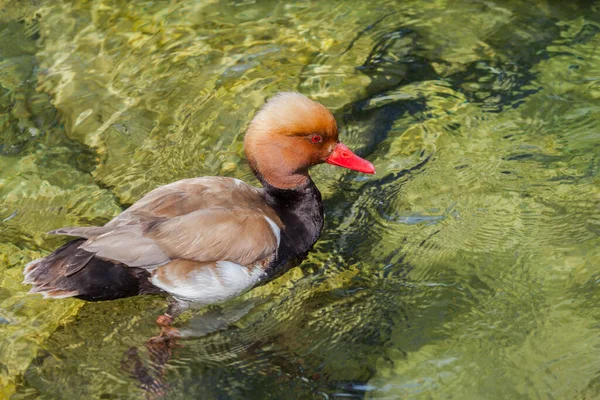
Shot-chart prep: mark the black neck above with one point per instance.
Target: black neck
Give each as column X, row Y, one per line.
column 301, row 212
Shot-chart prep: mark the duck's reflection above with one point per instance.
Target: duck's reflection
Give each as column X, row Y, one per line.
column 150, row 373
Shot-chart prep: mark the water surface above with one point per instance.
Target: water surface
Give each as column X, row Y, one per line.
column 467, row 267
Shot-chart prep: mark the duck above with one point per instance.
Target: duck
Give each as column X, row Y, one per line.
column 208, row 239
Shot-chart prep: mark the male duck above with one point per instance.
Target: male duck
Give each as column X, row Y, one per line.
column 205, row 240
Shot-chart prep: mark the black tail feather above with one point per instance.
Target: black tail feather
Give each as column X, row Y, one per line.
column 74, row 272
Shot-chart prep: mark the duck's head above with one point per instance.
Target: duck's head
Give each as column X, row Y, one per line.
column 290, row 134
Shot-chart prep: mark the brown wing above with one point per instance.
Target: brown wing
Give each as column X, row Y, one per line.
column 189, row 195
column 202, row 219
column 237, row 235
column 181, row 198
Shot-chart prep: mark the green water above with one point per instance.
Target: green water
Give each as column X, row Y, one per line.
column 468, row 267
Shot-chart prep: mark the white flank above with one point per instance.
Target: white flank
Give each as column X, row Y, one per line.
column 207, row 286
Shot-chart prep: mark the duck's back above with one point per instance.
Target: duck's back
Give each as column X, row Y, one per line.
column 172, row 237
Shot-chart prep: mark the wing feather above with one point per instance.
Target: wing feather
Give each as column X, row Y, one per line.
column 127, row 245
column 203, row 219
column 237, row 235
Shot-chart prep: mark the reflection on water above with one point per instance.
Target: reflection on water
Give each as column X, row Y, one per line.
column 467, row 267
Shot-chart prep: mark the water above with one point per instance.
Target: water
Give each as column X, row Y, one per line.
column 468, row 267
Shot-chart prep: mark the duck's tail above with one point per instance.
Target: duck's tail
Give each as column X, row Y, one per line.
column 73, row 272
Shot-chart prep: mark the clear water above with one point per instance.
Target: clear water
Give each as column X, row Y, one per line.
column 467, row 268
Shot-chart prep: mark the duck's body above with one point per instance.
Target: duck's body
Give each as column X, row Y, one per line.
column 143, row 249
column 205, row 240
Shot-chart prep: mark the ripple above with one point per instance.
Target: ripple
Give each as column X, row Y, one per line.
column 468, row 265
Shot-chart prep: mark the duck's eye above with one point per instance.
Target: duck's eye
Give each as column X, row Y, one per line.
column 316, row 139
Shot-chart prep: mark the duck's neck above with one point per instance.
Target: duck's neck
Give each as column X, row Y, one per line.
column 301, row 212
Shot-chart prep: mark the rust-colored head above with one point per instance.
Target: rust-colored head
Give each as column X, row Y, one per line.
column 290, row 134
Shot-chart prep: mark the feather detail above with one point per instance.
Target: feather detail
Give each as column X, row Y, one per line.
column 79, row 231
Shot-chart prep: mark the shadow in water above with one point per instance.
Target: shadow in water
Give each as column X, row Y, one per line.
column 150, row 372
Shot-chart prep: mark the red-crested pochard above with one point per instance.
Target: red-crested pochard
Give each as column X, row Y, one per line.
column 205, row 240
